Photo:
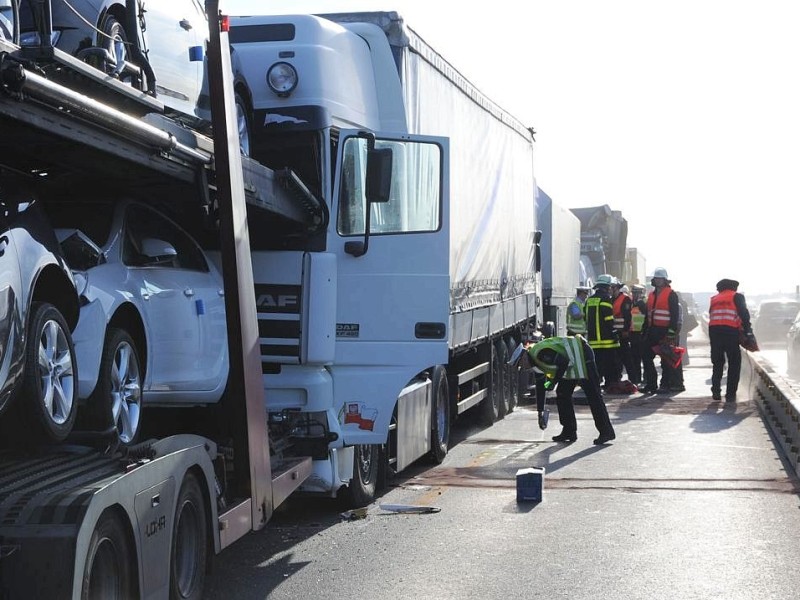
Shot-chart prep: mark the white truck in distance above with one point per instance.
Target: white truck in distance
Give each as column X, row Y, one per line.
column 561, row 259
column 395, row 312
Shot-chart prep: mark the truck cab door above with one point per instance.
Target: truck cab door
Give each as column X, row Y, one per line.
column 393, row 278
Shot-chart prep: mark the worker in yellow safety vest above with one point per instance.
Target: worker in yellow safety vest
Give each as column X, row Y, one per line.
column 576, row 319
column 567, row 362
column 638, row 319
column 600, row 331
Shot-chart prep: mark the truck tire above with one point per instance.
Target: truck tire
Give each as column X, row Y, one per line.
column 117, row 398
column 49, row 395
column 110, row 570
column 187, row 572
column 514, row 393
column 502, row 374
column 440, row 416
column 366, row 467
column 490, row 406
column 243, row 121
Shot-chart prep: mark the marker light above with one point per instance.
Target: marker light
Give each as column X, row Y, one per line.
column 282, row 78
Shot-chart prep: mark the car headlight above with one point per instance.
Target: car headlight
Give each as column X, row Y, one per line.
column 282, row 78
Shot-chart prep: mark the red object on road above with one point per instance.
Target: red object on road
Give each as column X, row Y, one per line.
column 672, row 354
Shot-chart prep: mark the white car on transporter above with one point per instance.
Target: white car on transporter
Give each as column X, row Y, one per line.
column 152, row 320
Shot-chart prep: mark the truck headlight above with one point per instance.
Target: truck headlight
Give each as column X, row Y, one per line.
column 282, row 78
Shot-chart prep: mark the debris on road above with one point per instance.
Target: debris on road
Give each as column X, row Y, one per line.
column 355, row 514
column 410, row 508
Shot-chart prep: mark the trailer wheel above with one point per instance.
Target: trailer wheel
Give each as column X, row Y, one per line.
column 48, row 401
column 109, row 572
column 491, row 406
column 514, row 393
column 117, row 399
column 440, row 418
column 366, row 467
column 189, row 542
column 502, row 374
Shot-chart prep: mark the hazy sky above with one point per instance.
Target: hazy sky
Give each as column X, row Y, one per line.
column 683, row 115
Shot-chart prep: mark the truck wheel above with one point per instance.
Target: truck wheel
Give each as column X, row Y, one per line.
column 440, row 418
column 48, row 400
column 514, row 392
column 502, row 375
column 490, row 406
column 366, row 463
column 187, row 573
column 243, row 123
column 110, row 565
column 117, row 399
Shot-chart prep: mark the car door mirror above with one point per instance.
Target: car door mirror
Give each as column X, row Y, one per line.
column 159, row 250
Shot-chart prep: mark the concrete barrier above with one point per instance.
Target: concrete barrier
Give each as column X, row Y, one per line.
column 778, row 402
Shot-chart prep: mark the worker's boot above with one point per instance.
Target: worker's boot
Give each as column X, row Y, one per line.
column 567, row 437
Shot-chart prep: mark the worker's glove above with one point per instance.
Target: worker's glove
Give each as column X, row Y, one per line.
column 671, row 338
column 544, row 416
column 549, row 384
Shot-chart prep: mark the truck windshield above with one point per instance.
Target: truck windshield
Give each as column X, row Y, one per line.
column 415, row 200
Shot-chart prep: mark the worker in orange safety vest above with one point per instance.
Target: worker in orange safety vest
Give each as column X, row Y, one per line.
column 728, row 318
column 663, row 308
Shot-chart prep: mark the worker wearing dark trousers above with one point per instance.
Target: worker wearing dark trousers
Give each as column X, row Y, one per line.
column 728, row 317
column 622, row 303
column 662, row 327
column 567, row 362
column 638, row 316
column 600, row 331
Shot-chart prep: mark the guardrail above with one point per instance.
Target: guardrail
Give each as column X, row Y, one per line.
column 778, row 401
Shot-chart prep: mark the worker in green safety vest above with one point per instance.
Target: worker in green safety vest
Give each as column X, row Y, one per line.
column 638, row 320
column 576, row 319
column 567, row 362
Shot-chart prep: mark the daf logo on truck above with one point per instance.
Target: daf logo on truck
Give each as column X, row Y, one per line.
column 277, row 298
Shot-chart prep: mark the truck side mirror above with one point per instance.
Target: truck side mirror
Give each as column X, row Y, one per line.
column 377, row 189
column 537, row 251
column 379, row 174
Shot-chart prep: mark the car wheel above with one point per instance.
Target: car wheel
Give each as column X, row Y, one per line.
column 117, row 399
column 114, row 39
column 49, row 391
column 243, row 123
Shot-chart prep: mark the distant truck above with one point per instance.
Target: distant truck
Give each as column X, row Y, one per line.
column 398, row 309
column 604, row 237
column 635, row 267
column 560, row 250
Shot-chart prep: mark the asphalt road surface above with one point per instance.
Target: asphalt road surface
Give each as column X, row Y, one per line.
column 692, row 500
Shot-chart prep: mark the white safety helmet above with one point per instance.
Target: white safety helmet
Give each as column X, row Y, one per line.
column 661, row 272
column 625, row 289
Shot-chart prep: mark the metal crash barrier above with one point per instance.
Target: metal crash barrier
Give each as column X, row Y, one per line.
column 778, row 402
